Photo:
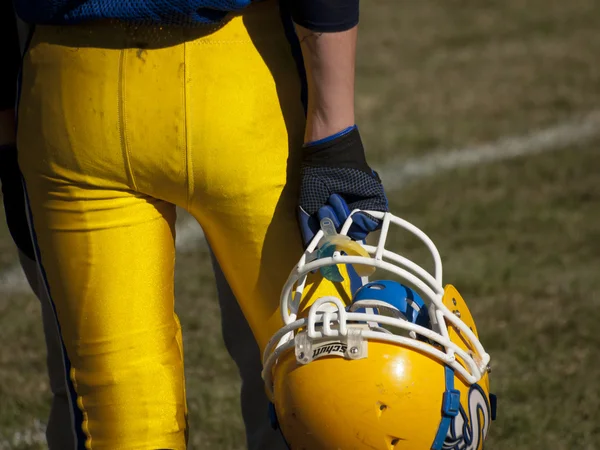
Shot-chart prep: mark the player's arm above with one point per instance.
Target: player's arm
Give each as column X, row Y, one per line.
column 327, row 30
column 330, row 60
column 335, row 178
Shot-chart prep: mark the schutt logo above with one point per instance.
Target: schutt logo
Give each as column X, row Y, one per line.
column 328, row 349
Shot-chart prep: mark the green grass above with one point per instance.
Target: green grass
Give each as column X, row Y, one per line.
column 439, row 73
column 520, row 242
column 520, row 239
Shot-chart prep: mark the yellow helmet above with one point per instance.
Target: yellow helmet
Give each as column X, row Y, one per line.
column 388, row 371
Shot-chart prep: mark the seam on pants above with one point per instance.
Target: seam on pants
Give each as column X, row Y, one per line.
column 122, row 122
column 186, row 137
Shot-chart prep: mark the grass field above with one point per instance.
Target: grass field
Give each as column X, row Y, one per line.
column 520, row 238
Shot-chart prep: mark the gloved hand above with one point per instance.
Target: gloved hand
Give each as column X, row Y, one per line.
column 335, row 180
column 14, row 199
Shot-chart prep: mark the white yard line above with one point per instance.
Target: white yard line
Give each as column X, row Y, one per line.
column 398, row 172
column 395, row 174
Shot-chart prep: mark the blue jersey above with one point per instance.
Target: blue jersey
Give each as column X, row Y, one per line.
column 178, row 12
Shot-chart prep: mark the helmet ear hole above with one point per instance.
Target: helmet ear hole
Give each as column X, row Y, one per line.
column 393, row 299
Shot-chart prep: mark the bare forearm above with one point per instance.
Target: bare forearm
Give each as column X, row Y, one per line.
column 329, row 59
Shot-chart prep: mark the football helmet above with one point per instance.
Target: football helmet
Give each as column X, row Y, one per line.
column 400, row 366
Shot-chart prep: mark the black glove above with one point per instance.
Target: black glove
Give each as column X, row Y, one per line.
column 335, row 180
column 14, row 199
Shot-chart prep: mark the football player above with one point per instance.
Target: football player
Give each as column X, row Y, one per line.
column 241, row 112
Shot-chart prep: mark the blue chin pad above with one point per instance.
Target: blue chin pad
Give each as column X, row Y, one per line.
column 401, row 297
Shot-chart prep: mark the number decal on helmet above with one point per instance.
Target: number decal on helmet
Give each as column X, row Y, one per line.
column 469, row 429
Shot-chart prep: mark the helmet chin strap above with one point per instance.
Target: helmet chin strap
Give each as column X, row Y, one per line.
column 275, row 423
column 450, row 409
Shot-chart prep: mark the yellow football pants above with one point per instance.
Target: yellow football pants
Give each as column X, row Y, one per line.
column 118, row 124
